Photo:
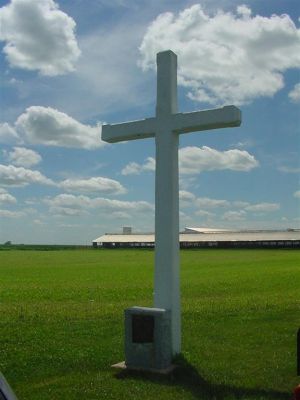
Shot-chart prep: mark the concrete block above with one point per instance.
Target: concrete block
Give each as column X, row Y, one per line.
column 148, row 342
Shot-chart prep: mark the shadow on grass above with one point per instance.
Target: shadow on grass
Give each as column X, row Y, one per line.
column 187, row 377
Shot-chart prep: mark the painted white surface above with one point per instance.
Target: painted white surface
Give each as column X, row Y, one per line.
column 166, row 127
column 166, row 274
column 204, row 230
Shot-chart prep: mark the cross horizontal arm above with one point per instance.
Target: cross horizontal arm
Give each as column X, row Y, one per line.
column 142, row 129
column 225, row 117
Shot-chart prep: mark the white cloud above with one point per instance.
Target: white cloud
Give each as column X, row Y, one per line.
column 289, row 170
column 11, row 214
column 240, row 204
column 72, row 226
column 39, row 222
column 193, row 160
column 117, row 205
column 134, row 168
column 71, row 205
column 203, row 213
column 263, row 207
column 205, row 202
column 69, row 201
column 226, row 57
column 8, row 134
column 245, row 143
column 19, row 176
column 30, row 210
column 188, row 182
column 297, row 194
column 244, row 11
column 45, row 125
column 23, row 157
column 294, row 94
column 5, row 197
column 186, row 197
column 241, row 207
column 67, row 211
column 38, row 36
column 121, row 215
column 234, row 215
column 93, row 185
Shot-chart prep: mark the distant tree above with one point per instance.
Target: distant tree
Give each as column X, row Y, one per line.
column 8, row 243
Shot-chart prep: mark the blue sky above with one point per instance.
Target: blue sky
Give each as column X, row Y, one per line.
column 67, row 67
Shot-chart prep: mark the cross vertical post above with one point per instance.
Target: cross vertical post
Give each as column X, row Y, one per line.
column 166, row 127
column 166, row 275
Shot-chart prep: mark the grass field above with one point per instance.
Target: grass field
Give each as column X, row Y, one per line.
column 61, row 324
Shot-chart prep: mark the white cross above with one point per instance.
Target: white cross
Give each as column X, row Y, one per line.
column 166, row 127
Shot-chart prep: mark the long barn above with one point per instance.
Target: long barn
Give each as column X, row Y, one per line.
column 205, row 238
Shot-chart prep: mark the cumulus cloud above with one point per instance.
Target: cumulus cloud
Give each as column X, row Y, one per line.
column 244, row 11
column 193, row 160
column 38, row 36
column 241, row 215
column 70, row 205
column 134, row 168
column 234, row 215
column 8, row 134
column 263, row 207
column 67, row 211
column 186, row 197
column 19, row 176
column 294, row 94
column 7, row 198
column 240, row 207
column 23, row 157
column 121, row 215
column 117, row 205
column 45, row 125
column 204, row 213
column 226, row 57
column 289, row 170
column 205, row 202
column 297, row 194
column 69, row 201
column 11, row 214
column 240, row 204
column 93, row 185
column 244, row 206
column 39, row 222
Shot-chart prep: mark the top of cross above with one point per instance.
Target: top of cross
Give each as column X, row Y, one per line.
column 166, row 107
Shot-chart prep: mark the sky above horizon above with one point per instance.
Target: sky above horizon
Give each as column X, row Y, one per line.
column 70, row 66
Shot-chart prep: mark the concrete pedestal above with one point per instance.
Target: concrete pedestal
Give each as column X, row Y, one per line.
column 147, row 338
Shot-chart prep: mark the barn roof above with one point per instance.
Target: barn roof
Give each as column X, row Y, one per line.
column 204, row 237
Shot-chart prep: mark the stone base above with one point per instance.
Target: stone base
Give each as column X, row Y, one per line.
column 148, row 338
column 165, row 371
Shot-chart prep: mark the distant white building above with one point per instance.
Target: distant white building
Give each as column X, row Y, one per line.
column 205, row 237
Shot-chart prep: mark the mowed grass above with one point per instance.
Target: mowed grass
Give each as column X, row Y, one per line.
column 61, row 324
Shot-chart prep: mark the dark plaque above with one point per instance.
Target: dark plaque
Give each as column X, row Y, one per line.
column 142, row 328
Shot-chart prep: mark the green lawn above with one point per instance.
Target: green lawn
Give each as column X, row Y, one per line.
column 61, row 324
